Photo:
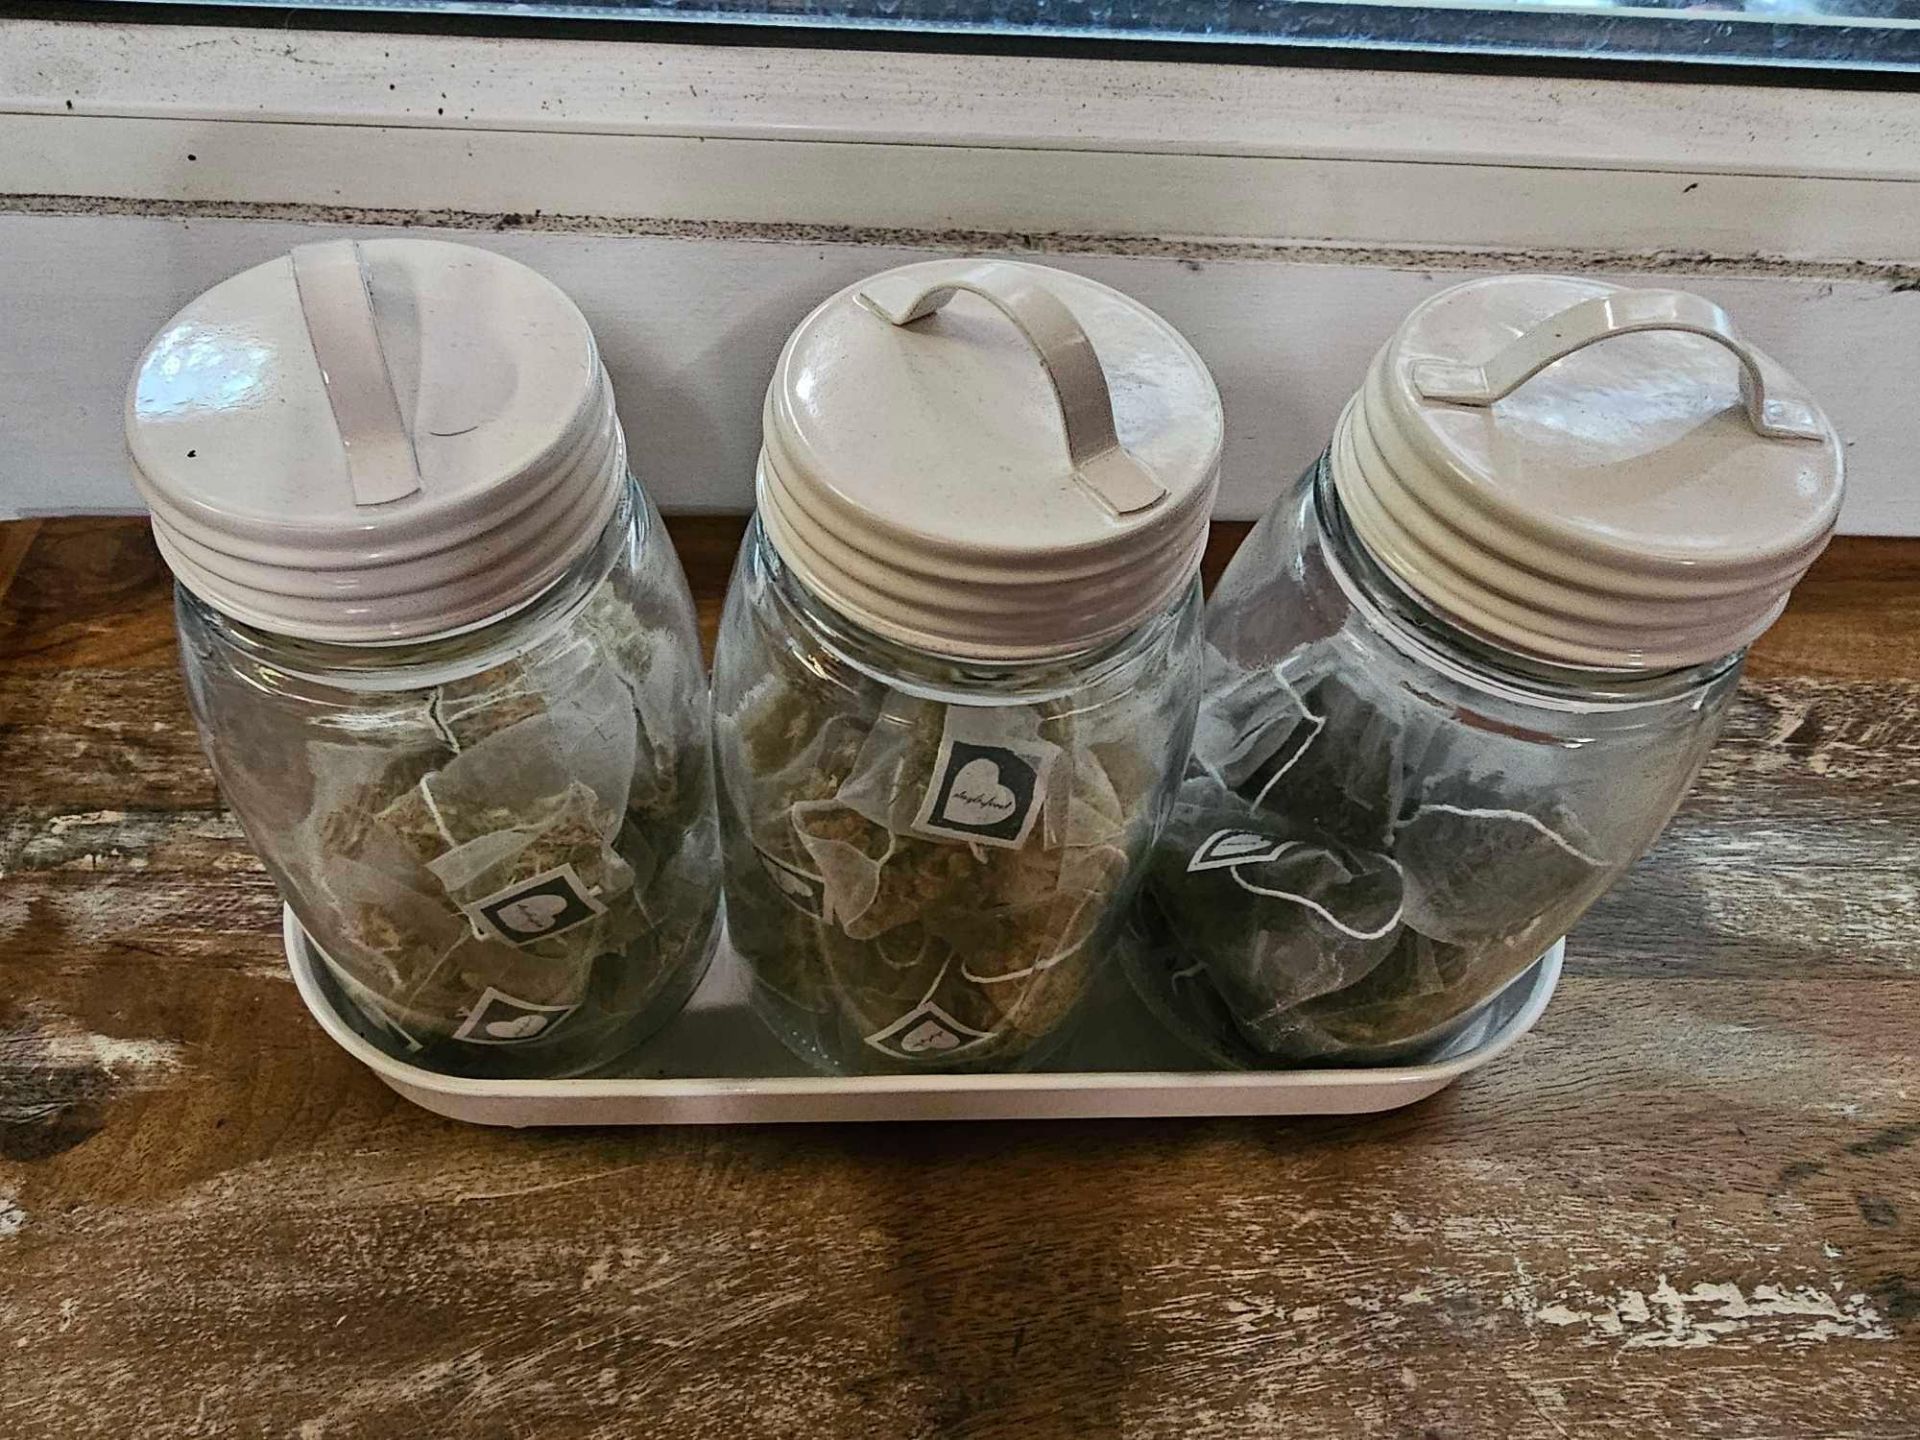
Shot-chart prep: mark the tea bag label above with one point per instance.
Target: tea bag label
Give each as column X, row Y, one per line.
column 498, row 1018
column 529, row 911
column 985, row 788
column 925, row 1032
column 805, row 892
column 1226, row 848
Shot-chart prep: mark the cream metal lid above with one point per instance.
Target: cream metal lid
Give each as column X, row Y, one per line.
column 1587, row 474
column 989, row 459
column 374, row 441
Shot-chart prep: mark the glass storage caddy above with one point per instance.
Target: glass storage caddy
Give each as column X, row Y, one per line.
column 892, row 675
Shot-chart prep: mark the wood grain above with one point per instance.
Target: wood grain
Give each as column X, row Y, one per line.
column 1687, row 1206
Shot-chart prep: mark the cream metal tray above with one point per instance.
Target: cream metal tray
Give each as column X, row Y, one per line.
column 715, row 1064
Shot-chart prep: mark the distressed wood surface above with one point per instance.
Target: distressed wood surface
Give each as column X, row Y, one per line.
column 1686, row 1206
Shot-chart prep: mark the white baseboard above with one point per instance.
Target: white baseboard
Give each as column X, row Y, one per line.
column 690, row 325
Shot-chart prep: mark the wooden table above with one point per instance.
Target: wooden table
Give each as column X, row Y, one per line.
column 1688, row 1205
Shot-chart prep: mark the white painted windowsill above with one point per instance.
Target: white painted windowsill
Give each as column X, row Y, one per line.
column 697, row 200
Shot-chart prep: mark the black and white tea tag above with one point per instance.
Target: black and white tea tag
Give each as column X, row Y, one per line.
column 925, row 1032
column 804, row 891
column 498, row 1018
column 1226, row 848
column 529, row 911
column 987, row 786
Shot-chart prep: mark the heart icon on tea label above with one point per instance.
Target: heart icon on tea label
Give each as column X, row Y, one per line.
column 535, row 909
column 533, row 915
column 521, row 1027
column 926, row 1032
column 928, row 1035
column 498, row 1018
column 1235, row 847
column 977, row 797
column 984, row 794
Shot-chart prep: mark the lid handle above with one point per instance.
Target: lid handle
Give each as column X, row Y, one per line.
column 1622, row 313
column 1100, row 463
column 338, row 308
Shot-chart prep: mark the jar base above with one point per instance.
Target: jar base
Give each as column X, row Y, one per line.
column 798, row 1030
column 598, row 1049
column 1147, row 947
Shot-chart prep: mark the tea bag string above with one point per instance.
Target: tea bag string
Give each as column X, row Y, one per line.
column 1482, row 812
column 433, row 810
column 1318, row 722
column 1041, row 966
column 1317, row 908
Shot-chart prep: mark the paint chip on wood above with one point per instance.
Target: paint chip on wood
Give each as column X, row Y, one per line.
column 1711, row 1313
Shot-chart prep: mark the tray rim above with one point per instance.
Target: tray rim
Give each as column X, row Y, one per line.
column 1235, row 1087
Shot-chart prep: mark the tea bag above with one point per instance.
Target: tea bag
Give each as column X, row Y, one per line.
column 876, row 982
column 458, row 981
column 667, row 735
column 1483, row 860
column 1347, row 765
column 781, row 750
column 894, row 764
column 1098, row 812
column 1252, row 722
column 351, row 783
column 563, row 829
column 500, row 780
column 1013, row 950
column 871, row 845
column 1034, row 954
column 385, row 923
column 1409, row 996
column 366, row 879
column 1274, row 913
column 562, row 834
column 466, row 711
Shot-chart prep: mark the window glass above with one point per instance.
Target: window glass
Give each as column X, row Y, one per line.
column 1845, row 34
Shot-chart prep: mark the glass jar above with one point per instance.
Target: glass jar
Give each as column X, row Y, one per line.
column 1385, row 820
column 500, row 835
column 954, row 684
column 1461, row 675
column 869, row 879
column 464, row 726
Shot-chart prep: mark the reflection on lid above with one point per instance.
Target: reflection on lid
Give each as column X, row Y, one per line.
column 196, row 368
